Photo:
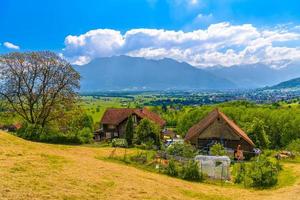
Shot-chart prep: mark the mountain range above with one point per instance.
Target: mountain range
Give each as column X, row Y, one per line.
column 130, row 73
column 256, row 75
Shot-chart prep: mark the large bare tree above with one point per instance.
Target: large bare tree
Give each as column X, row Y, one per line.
column 39, row 86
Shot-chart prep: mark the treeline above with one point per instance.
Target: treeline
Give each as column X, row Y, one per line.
column 269, row 126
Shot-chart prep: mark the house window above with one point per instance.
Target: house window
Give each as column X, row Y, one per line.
column 108, row 135
column 116, row 134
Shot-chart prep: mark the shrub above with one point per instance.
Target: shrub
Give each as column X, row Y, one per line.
column 171, row 168
column 80, row 137
column 119, row 142
column 75, row 128
column 150, row 145
column 139, row 158
column 85, row 135
column 264, row 171
column 52, row 134
column 182, row 149
column 190, row 171
column 294, row 146
column 218, row 150
column 59, row 138
column 31, row 131
column 239, row 172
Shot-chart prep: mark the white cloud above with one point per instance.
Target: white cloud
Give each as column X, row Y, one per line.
column 201, row 16
column 219, row 44
column 10, row 45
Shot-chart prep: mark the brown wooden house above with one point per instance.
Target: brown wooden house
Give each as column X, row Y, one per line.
column 217, row 127
column 113, row 122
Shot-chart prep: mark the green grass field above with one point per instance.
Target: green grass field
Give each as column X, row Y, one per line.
column 96, row 107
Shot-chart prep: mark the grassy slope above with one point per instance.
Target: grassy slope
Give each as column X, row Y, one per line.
column 31, row 170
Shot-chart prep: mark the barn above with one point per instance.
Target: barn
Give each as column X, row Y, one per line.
column 217, row 127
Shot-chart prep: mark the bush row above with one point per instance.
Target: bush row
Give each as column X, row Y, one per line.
column 187, row 171
column 262, row 172
column 48, row 134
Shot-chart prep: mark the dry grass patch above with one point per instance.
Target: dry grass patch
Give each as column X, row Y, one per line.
column 30, row 170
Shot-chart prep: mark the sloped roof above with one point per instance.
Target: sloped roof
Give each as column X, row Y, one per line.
column 117, row 115
column 209, row 119
column 145, row 113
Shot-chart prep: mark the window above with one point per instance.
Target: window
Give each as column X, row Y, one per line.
column 108, row 135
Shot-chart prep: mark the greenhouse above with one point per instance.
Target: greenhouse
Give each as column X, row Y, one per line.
column 216, row 167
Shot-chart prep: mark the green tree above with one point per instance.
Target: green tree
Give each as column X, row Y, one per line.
column 87, row 121
column 148, row 131
column 257, row 131
column 171, row 169
column 217, row 150
column 129, row 130
column 38, row 86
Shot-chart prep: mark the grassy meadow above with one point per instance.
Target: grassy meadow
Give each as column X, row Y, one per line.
column 96, row 107
column 31, row 170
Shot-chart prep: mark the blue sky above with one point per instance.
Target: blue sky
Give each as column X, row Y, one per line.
column 45, row 25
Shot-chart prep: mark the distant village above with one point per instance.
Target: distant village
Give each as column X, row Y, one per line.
column 157, row 98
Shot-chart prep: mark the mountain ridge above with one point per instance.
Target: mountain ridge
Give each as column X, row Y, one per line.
column 131, row 73
column 290, row 84
column 136, row 73
column 256, row 75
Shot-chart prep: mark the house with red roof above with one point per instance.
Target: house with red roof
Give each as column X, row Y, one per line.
column 217, row 127
column 113, row 122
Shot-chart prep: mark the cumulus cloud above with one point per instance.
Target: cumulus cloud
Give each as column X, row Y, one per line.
column 219, row 44
column 95, row 43
column 10, row 45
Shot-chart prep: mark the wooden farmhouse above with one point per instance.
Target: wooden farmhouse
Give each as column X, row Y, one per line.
column 217, row 127
column 113, row 122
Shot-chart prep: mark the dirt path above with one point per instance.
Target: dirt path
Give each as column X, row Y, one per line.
column 31, row 170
